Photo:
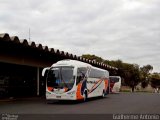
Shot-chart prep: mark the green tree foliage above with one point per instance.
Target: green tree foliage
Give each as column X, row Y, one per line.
column 131, row 74
column 93, row 57
column 115, row 63
column 118, row 64
column 144, row 74
column 155, row 80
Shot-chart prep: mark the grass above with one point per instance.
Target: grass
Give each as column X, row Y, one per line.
column 125, row 90
column 128, row 89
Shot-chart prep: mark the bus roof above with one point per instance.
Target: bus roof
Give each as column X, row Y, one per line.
column 76, row 63
column 114, row 76
column 69, row 62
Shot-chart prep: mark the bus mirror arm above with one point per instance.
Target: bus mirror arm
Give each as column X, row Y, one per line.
column 44, row 70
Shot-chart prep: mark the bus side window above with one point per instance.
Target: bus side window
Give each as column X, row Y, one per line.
column 80, row 75
column 80, row 78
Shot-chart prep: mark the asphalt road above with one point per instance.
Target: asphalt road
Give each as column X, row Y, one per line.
column 123, row 103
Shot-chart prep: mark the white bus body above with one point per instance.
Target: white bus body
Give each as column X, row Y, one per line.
column 115, row 84
column 75, row 80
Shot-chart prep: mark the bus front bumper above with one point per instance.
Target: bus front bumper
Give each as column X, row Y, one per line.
column 65, row 96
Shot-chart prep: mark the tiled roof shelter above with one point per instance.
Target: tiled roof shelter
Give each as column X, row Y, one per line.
column 42, row 53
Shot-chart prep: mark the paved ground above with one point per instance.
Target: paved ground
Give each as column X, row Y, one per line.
column 114, row 103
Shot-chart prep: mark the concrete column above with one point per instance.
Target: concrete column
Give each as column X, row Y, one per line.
column 37, row 81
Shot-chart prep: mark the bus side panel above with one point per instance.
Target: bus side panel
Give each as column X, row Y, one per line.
column 95, row 87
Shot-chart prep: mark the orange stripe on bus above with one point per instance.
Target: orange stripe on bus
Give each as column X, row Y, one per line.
column 94, row 85
column 106, row 84
column 78, row 93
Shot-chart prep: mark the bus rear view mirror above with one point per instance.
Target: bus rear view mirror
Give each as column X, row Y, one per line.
column 44, row 70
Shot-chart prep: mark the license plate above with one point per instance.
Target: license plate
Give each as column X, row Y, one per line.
column 58, row 96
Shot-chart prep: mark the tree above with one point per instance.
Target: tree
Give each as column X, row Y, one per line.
column 132, row 75
column 129, row 73
column 93, row 57
column 144, row 74
column 155, row 80
column 118, row 64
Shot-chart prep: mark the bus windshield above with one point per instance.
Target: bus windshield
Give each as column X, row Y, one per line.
column 114, row 79
column 60, row 77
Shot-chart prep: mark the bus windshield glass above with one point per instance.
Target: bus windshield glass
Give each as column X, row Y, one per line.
column 114, row 79
column 60, row 77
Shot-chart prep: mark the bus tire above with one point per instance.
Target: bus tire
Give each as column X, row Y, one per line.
column 85, row 97
column 103, row 94
column 107, row 92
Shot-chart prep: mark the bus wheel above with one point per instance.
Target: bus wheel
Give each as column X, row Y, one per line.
column 108, row 91
column 85, row 96
column 103, row 94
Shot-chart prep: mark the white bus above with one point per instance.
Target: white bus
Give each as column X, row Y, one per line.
column 75, row 80
column 115, row 84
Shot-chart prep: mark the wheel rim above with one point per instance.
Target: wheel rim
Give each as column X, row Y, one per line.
column 85, row 96
column 84, row 99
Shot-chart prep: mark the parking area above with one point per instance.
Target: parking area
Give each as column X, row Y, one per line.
column 125, row 103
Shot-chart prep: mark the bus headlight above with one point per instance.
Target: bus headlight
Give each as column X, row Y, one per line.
column 71, row 93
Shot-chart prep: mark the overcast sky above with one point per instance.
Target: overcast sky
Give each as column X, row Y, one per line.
column 112, row 29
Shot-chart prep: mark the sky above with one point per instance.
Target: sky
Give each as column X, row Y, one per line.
column 128, row 30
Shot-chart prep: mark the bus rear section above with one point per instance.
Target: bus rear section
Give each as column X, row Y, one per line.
column 115, row 84
column 74, row 80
